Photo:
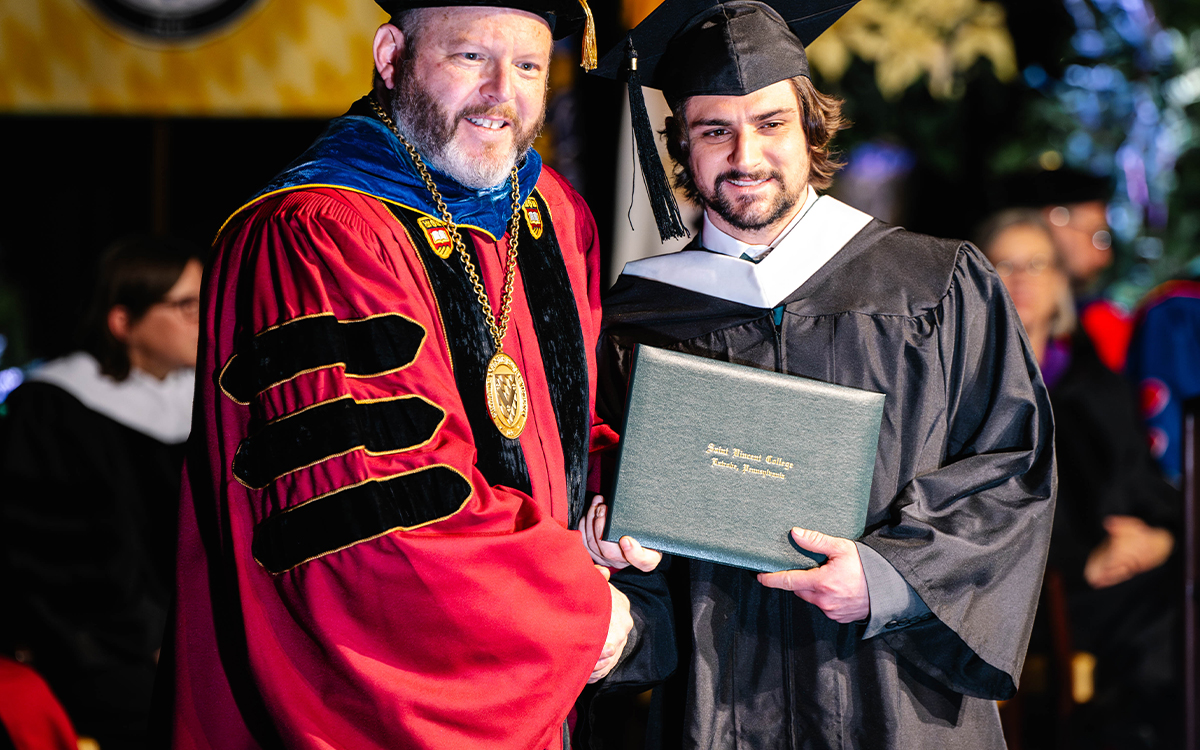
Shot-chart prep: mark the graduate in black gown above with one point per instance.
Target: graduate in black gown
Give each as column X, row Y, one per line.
column 1113, row 539
column 907, row 637
column 91, row 448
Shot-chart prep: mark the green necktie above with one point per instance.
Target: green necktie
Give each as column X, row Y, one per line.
column 761, row 255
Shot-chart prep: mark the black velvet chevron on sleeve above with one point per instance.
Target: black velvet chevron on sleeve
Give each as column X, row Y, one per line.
column 371, row 346
column 357, row 514
column 331, row 429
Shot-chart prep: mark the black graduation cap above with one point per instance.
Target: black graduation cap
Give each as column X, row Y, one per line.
column 1063, row 187
column 1059, row 187
column 564, row 16
column 710, row 47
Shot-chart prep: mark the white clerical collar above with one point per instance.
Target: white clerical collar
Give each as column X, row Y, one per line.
column 823, row 228
column 719, row 242
column 161, row 409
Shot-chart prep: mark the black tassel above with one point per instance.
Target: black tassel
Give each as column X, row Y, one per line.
column 662, row 199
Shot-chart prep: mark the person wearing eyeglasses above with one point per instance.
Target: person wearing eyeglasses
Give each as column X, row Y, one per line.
column 1112, row 539
column 91, row 448
column 1074, row 208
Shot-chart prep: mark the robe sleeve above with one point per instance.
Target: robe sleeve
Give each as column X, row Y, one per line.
column 394, row 598
column 651, row 653
column 971, row 534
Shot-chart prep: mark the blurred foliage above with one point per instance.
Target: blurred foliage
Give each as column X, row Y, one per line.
column 938, row 131
column 933, row 77
column 910, row 40
column 1124, row 107
column 1120, row 100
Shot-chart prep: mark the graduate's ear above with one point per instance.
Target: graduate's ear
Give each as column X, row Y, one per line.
column 119, row 323
column 388, row 49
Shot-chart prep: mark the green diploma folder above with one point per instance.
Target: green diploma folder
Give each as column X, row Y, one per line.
column 719, row 461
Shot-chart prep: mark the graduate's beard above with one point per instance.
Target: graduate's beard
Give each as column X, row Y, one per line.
column 426, row 123
column 745, row 213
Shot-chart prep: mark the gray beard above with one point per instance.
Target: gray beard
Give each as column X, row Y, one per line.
column 431, row 130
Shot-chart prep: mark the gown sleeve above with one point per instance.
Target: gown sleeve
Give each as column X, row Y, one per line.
column 649, row 655
column 389, row 596
column 971, row 534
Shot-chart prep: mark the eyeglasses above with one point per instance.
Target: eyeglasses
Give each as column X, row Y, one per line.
column 1034, row 266
column 188, row 307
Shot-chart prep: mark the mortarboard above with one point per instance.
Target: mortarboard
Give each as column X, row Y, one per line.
column 564, row 16
column 1063, row 187
column 1059, row 187
column 710, row 47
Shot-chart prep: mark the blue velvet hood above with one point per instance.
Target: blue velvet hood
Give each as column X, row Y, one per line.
column 358, row 152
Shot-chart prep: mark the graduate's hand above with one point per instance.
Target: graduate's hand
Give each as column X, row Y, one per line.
column 1132, row 547
column 838, row 587
column 616, row 555
column 619, row 625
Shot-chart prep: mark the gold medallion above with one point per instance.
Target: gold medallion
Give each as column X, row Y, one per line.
column 438, row 235
column 533, row 217
column 504, row 388
column 507, row 402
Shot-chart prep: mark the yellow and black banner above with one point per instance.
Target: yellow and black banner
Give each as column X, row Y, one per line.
column 187, row 58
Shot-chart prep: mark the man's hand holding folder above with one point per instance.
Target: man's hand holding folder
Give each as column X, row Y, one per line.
column 838, row 587
column 621, row 554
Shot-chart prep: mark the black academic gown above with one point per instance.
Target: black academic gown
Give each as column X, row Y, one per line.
column 87, row 530
column 961, row 503
column 1132, row 628
column 1105, row 465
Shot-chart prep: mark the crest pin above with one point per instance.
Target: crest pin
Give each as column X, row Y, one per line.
column 533, row 217
column 438, row 235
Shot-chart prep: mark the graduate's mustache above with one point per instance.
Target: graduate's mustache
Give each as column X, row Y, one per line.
column 734, row 174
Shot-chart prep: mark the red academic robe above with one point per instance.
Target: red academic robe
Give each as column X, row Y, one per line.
column 473, row 624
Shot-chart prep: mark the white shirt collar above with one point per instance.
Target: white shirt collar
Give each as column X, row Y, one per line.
column 822, row 229
column 718, row 241
column 161, row 409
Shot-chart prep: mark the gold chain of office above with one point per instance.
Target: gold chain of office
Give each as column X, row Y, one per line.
column 504, row 386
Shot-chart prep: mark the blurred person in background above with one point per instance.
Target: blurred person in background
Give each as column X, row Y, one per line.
column 1074, row 206
column 1112, row 527
column 91, row 449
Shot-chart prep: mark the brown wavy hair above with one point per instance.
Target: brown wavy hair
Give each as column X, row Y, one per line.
column 822, row 116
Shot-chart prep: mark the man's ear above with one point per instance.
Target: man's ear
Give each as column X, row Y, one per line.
column 119, row 322
column 388, row 49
